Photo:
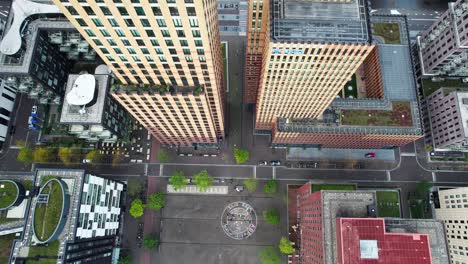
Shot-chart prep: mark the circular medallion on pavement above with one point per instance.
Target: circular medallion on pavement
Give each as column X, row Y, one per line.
column 239, row 220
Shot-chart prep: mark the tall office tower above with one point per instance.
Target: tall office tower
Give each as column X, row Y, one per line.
column 257, row 35
column 170, row 51
column 443, row 48
column 453, row 212
column 313, row 48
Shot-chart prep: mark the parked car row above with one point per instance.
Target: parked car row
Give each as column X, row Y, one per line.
column 272, row 163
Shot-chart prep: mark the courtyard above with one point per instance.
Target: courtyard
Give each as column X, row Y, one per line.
column 191, row 230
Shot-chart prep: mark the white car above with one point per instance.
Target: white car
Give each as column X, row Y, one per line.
column 34, row 109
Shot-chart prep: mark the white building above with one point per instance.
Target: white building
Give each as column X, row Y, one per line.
column 453, row 212
column 7, row 102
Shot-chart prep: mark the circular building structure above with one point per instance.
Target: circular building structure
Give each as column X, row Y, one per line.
column 50, row 210
column 11, row 194
column 239, row 220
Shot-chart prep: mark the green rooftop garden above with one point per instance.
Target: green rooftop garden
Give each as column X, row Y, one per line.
column 8, row 193
column 399, row 116
column 224, row 53
column 334, row 187
column 388, row 203
column 390, row 32
column 5, row 247
column 429, row 86
column 353, row 85
column 51, row 251
column 47, row 215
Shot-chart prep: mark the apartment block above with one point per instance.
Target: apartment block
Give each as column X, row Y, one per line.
column 453, row 211
column 443, row 49
column 169, row 45
column 85, row 223
column 232, row 16
column 448, row 115
column 7, row 102
column 257, row 38
column 341, row 227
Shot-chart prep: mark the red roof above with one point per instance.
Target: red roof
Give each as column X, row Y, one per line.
column 364, row 240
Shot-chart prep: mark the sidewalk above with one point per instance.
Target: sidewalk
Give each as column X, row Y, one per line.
column 422, row 158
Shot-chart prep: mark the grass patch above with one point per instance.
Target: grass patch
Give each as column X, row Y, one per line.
column 47, row 216
column 399, row 116
column 390, row 32
column 429, row 86
column 5, row 247
column 353, row 84
column 7, row 194
column 417, row 209
column 51, row 250
column 336, row 187
column 388, row 203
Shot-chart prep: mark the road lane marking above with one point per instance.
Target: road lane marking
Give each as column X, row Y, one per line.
column 423, row 19
column 389, row 177
column 255, row 172
column 274, row 172
column 408, row 154
column 146, row 169
column 161, row 167
column 434, row 177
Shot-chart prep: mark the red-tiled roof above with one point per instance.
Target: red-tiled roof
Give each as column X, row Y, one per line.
column 364, row 241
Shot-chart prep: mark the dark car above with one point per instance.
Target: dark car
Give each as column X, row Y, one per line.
column 275, row 163
column 262, row 163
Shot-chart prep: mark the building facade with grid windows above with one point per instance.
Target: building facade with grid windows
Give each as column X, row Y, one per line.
column 164, row 47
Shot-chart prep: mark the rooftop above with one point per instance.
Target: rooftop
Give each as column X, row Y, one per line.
column 398, row 116
column 8, row 193
column 462, row 98
column 362, row 239
column 342, row 22
column 73, row 114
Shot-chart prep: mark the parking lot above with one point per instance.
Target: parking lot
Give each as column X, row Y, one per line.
column 192, row 232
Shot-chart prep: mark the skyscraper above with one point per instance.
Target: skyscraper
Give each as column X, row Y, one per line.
column 443, row 49
column 306, row 60
column 452, row 209
column 169, row 53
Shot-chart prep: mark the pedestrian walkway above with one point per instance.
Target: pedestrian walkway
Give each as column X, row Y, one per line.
column 192, row 189
column 338, row 154
column 150, row 218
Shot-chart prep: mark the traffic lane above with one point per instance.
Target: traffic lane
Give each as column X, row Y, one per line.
column 452, row 177
column 120, row 170
column 264, row 172
column 409, row 170
column 215, row 171
column 342, row 175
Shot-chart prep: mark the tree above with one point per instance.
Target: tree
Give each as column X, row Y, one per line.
column 43, row 155
column 156, row 201
column 423, row 188
column 94, row 156
column 117, row 158
column 272, row 216
column 250, row 184
column 137, row 208
column 269, row 255
column 134, row 187
column 203, row 180
column 285, row 246
column 150, row 241
column 428, row 147
column 163, row 156
column 65, row 155
column 178, row 180
column 125, row 260
column 241, row 155
column 271, row 187
column 25, row 155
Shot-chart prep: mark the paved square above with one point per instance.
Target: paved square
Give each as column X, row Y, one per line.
column 191, row 229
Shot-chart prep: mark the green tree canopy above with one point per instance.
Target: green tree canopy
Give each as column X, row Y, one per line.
column 269, row 255
column 94, row 156
column 156, row 201
column 423, row 188
column 125, row 260
column 203, row 180
column 163, row 156
column 178, row 180
column 117, row 158
column 272, row 216
column 134, row 187
column 25, row 155
column 271, row 187
column 250, row 184
column 241, row 155
column 150, row 241
column 285, row 246
column 65, row 155
column 43, row 154
column 137, row 208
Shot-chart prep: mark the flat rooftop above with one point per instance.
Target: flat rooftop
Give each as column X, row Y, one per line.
column 337, row 22
column 365, row 240
column 462, row 98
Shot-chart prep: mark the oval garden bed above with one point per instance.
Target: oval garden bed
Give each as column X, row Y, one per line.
column 9, row 194
column 49, row 212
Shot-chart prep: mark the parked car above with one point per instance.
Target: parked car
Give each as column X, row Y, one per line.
column 275, row 163
column 239, row 188
column 86, row 161
column 370, row 155
column 34, row 109
column 262, row 163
